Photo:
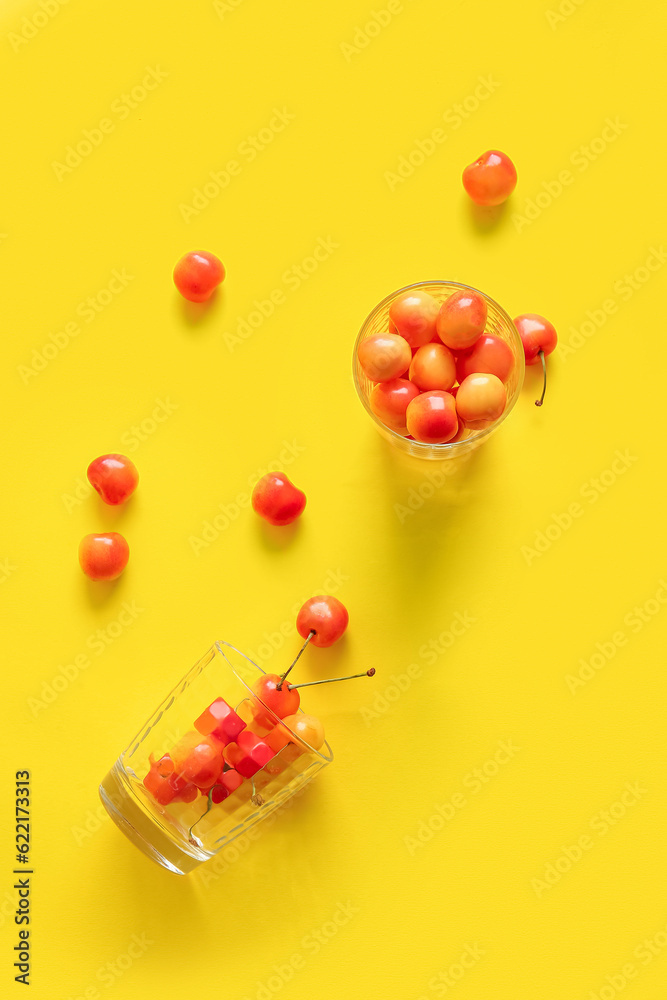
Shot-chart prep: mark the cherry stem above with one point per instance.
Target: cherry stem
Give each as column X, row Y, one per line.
column 538, row 402
column 310, row 635
column 330, row 680
column 256, row 798
column 206, row 811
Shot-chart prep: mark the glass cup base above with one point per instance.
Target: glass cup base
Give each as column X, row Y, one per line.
column 140, row 827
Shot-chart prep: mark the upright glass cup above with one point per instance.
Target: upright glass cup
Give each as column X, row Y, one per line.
column 182, row 834
column 498, row 324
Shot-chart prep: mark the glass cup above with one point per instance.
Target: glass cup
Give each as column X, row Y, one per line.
column 182, row 831
column 498, row 324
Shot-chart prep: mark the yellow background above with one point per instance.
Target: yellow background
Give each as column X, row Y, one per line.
column 479, row 883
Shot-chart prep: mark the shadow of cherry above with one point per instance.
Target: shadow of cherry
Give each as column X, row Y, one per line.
column 486, row 218
column 277, row 537
column 194, row 313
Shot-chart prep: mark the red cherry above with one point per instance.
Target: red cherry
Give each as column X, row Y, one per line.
column 480, row 400
column 539, row 338
column 384, row 356
column 491, row 179
column 413, row 316
column 164, row 766
column 431, row 417
column 104, row 556
column 114, row 477
column 227, row 783
column 159, row 787
column 197, row 759
column 165, row 785
column 277, row 500
column 460, row 434
column 389, row 401
column 489, row 355
column 326, row 617
column 276, row 696
column 186, row 791
column 217, row 792
column 197, row 275
column 461, row 319
column 433, row 367
column 537, row 334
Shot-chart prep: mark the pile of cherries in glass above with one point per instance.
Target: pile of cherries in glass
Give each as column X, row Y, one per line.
column 437, row 374
column 454, row 375
column 231, row 745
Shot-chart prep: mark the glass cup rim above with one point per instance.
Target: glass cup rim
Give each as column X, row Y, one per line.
column 327, row 759
column 448, row 447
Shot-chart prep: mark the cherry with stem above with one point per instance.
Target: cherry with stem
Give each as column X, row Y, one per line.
column 331, row 680
column 209, row 806
column 539, row 339
column 310, row 635
column 321, row 621
column 540, row 354
column 256, row 798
